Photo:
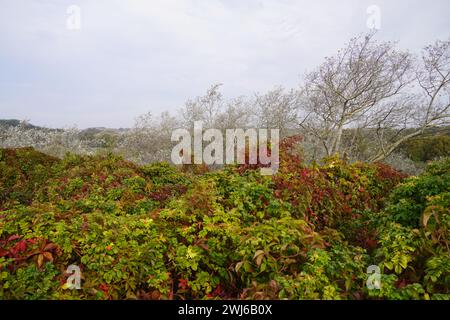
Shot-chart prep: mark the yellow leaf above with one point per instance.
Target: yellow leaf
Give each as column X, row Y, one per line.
column 426, row 216
column 263, row 267
column 238, row 266
column 191, row 253
column 257, row 253
column 40, row 260
column 66, row 286
column 48, row 256
column 404, row 262
column 259, row 260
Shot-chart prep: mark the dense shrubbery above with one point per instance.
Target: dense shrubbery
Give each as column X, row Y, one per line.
column 414, row 236
column 428, row 148
column 156, row 232
column 22, row 171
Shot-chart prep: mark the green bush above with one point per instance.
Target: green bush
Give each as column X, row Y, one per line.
column 159, row 232
column 428, row 148
column 22, row 172
column 414, row 236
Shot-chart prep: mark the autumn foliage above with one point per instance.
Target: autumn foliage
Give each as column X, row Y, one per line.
column 159, row 232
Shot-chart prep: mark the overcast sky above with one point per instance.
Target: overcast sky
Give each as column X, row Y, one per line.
column 130, row 57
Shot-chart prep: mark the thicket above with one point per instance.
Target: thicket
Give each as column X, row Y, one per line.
column 160, row 232
column 427, row 148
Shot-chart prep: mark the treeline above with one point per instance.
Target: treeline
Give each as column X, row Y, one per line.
column 369, row 102
column 427, row 148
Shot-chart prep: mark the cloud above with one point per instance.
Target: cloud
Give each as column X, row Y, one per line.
column 135, row 56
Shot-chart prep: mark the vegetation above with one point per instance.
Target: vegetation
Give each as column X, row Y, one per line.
column 371, row 101
column 428, row 148
column 339, row 220
column 160, row 232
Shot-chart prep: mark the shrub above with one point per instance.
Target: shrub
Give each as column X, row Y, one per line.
column 22, row 172
column 414, row 236
column 158, row 232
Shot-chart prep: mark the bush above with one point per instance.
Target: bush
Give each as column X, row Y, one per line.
column 416, row 195
column 22, row 172
column 157, row 232
column 428, row 148
column 414, row 236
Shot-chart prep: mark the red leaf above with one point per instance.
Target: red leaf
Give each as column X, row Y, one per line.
column 371, row 243
column 13, row 237
column 3, row 252
column 183, row 283
column 400, row 283
column 21, row 246
column 50, row 247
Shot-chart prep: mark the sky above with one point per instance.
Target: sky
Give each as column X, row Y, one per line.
column 102, row 63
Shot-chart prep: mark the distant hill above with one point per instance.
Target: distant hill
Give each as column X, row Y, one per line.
column 6, row 123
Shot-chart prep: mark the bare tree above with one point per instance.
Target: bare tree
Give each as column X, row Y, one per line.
column 149, row 139
column 236, row 114
column 424, row 110
column 350, row 85
column 278, row 109
column 205, row 108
